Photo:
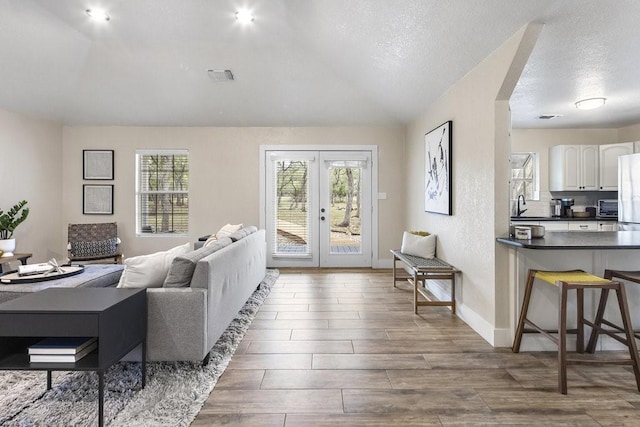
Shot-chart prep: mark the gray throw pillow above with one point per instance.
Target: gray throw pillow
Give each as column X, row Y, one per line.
column 183, row 266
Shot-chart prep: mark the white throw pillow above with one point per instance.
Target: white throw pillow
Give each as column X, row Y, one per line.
column 227, row 230
column 210, row 241
column 149, row 271
column 424, row 247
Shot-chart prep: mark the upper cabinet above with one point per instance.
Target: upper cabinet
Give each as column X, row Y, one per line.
column 574, row 168
column 609, row 164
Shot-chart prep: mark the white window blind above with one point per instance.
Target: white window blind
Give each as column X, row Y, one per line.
column 291, row 207
column 162, row 191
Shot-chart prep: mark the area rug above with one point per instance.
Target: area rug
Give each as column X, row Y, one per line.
column 173, row 396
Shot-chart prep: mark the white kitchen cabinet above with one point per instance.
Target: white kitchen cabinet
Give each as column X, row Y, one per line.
column 608, row 226
column 573, row 168
column 636, row 147
column 555, row 225
column 583, row 226
column 608, row 165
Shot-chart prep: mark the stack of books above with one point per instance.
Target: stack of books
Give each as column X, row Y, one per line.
column 62, row 349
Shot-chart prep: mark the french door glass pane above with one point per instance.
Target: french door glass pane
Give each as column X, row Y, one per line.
column 291, row 210
column 344, row 190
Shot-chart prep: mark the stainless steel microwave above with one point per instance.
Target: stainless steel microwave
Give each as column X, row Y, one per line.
column 608, row 208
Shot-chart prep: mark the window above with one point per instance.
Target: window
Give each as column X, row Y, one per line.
column 525, row 176
column 162, row 191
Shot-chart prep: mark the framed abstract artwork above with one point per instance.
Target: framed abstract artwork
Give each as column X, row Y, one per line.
column 97, row 199
column 97, row 164
column 437, row 187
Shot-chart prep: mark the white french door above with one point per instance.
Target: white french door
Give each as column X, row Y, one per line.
column 318, row 208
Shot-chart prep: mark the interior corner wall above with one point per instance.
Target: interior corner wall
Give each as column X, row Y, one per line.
column 224, row 175
column 629, row 133
column 31, row 170
column 467, row 238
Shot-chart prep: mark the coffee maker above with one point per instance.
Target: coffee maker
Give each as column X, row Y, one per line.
column 565, row 208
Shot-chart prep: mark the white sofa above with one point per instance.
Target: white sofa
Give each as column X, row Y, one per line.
column 185, row 322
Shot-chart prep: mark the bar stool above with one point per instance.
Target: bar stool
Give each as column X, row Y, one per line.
column 578, row 280
column 630, row 276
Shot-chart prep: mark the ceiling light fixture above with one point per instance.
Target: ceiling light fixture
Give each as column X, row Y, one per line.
column 590, row 103
column 244, row 16
column 97, row 15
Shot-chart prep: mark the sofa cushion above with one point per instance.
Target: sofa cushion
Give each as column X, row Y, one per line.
column 182, row 266
column 243, row 232
column 149, row 271
column 94, row 248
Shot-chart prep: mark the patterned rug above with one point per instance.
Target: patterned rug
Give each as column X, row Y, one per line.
column 173, row 396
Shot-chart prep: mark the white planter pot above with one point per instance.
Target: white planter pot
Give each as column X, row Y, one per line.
column 7, row 246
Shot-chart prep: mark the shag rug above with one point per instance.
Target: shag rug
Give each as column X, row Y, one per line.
column 173, row 396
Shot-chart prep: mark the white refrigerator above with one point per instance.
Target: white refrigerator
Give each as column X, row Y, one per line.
column 629, row 192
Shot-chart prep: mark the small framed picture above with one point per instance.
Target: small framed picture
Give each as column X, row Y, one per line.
column 97, row 199
column 97, row 164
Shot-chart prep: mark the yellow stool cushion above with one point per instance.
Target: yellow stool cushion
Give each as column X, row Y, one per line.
column 569, row 276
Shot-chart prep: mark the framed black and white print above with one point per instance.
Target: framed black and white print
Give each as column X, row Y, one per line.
column 97, row 199
column 97, row 164
column 437, row 187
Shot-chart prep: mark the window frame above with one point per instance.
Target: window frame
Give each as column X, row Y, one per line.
column 139, row 192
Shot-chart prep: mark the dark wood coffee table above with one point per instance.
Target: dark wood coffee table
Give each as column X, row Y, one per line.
column 117, row 317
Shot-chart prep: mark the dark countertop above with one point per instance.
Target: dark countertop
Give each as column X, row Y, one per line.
column 578, row 240
column 557, row 218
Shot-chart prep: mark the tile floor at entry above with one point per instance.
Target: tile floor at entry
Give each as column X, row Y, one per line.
column 332, row 347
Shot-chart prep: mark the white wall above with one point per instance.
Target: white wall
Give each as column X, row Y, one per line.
column 224, row 180
column 629, row 133
column 480, row 189
column 31, row 170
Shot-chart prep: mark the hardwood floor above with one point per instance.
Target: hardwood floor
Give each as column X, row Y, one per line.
column 332, row 347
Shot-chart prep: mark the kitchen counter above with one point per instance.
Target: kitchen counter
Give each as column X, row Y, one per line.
column 557, row 218
column 572, row 240
column 560, row 251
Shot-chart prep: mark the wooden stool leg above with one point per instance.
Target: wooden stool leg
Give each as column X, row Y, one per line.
column 580, row 323
column 562, row 340
column 523, row 312
column 628, row 329
column 595, row 332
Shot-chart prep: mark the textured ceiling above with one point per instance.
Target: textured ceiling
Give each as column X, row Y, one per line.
column 308, row 62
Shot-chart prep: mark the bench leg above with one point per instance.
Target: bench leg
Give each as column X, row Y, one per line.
column 415, row 293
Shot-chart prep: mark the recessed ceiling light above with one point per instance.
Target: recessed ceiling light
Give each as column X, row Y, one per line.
column 244, row 16
column 590, row 104
column 97, row 14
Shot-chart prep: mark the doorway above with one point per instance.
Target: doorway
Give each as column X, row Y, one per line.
column 318, row 207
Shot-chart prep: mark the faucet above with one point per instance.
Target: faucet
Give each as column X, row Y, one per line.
column 524, row 202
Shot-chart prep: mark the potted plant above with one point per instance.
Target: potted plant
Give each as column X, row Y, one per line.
column 8, row 223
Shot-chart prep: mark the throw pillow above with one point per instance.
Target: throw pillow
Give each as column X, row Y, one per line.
column 422, row 246
column 210, row 241
column 94, row 248
column 243, row 232
column 149, row 271
column 227, row 230
column 183, row 266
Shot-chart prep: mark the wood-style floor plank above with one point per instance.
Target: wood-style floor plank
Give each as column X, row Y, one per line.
column 344, row 348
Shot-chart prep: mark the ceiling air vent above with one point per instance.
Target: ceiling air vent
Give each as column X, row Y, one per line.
column 548, row 116
column 220, row 75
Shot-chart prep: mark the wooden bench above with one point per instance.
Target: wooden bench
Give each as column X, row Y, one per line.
column 420, row 270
